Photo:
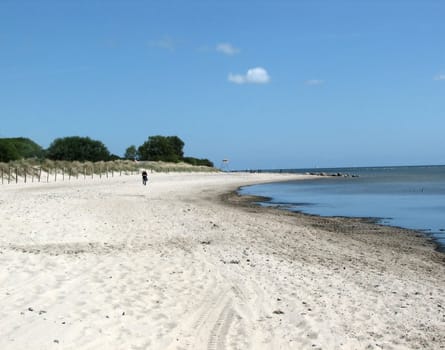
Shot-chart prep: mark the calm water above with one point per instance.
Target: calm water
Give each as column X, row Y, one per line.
column 411, row 197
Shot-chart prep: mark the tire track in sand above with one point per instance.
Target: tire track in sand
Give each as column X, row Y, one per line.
column 220, row 330
column 217, row 319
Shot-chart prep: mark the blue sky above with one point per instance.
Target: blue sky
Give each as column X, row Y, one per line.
column 265, row 84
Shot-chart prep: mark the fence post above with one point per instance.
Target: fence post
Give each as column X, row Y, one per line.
column 92, row 172
column 107, row 170
column 69, row 174
column 2, row 175
column 63, row 174
column 16, row 175
column 47, row 174
column 55, row 174
column 25, row 173
column 40, row 172
column 9, row 175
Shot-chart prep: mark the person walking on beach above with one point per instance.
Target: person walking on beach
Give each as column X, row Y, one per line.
column 144, row 177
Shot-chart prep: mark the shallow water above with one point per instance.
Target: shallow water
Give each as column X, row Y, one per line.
column 410, row 197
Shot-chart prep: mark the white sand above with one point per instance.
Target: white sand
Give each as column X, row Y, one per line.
column 111, row 264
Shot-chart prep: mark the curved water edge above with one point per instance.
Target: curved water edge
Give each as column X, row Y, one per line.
column 406, row 197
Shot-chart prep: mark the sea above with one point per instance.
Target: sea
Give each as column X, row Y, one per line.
column 405, row 196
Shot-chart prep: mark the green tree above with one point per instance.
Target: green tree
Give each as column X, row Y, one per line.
column 27, row 148
column 162, row 148
column 78, row 148
column 21, row 147
column 114, row 157
column 131, row 153
column 177, row 144
column 8, row 152
column 197, row 161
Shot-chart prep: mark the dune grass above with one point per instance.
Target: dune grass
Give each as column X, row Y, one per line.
column 31, row 170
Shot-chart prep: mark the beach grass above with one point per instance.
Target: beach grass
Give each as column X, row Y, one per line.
column 35, row 169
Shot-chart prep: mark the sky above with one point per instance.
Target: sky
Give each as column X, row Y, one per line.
column 264, row 84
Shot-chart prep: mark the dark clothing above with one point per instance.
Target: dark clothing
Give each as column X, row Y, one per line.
column 144, row 177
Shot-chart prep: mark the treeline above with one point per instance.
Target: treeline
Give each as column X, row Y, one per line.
column 82, row 149
column 19, row 148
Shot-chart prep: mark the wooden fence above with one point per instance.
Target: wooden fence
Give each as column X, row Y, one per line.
column 16, row 174
column 65, row 171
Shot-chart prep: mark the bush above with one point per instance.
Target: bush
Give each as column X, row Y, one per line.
column 8, row 152
column 162, row 148
column 197, row 161
column 28, row 148
column 131, row 153
column 19, row 148
column 77, row 148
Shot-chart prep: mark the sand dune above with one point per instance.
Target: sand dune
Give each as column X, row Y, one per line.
column 179, row 264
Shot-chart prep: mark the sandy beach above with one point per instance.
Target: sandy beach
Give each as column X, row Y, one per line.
column 184, row 263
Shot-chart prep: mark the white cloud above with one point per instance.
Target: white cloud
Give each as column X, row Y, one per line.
column 439, row 77
column 314, row 82
column 257, row 75
column 165, row 43
column 237, row 78
column 227, row 49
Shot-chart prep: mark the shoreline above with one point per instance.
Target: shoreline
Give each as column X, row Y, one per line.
column 405, row 237
column 95, row 265
column 253, row 200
